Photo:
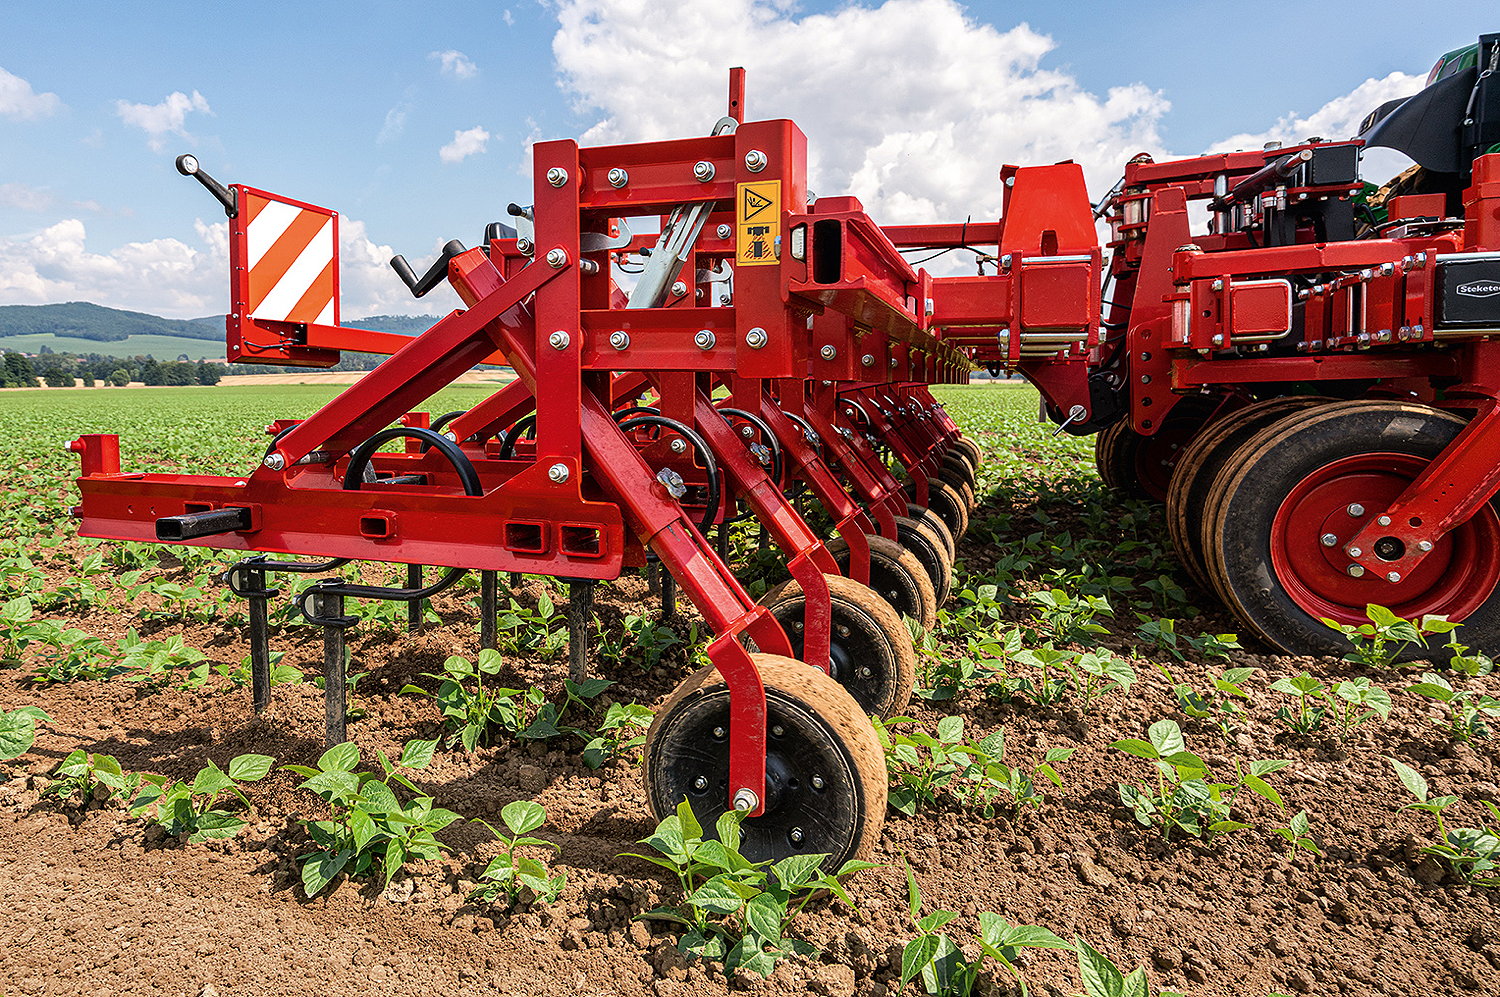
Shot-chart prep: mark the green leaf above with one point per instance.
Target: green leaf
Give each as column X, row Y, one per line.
column 1135, row 985
column 717, row 895
column 1166, row 737
column 523, row 816
column 916, row 956
column 1100, row 977
column 333, row 785
column 17, row 732
column 216, row 824
column 376, row 797
column 1260, row 787
column 250, row 768
column 913, row 892
column 950, row 730
column 417, row 754
column 689, row 821
column 797, row 870
column 320, row 868
column 1137, row 747
column 727, row 827
column 340, row 758
column 1410, row 778
column 764, row 914
column 210, row 781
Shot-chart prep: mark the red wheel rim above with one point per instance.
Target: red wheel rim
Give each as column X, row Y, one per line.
column 1454, row 580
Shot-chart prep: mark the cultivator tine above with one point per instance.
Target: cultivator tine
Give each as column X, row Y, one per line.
column 580, row 612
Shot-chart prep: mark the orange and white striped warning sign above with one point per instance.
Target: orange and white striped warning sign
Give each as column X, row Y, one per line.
column 290, row 257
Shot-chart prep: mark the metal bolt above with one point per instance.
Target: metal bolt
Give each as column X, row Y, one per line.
column 1355, row 571
column 866, row 672
column 866, row 360
column 1354, row 551
column 703, row 170
column 559, row 340
column 678, row 445
column 678, row 288
column 817, row 782
column 700, row 783
column 704, row 339
column 828, row 352
column 843, row 631
column 275, row 461
column 1355, row 509
column 778, row 731
column 747, row 431
column 557, row 258
column 558, row 473
column 1393, row 577
column 451, row 437
column 1424, row 545
column 618, row 177
column 524, row 247
column 795, row 834
column 746, row 800
column 1329, row 540
column 718, row 732
column 1145, row 378
column 725, row 300
column 755, row 160
column 1218, row 340
column 619, row 339
column 893, row 363
column 1383, row 520
column 724, row 231
column 557, row 176
column 755, row 338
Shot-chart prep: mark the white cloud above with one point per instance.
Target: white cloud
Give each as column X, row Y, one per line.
column 911, row 106
column 508, row 17
column 465, row 144
column 455, row 64
column 169, row 277
column 24, row 197
column 166, row 118
column 394, row 125
column 21, row 103
column 1337, row 119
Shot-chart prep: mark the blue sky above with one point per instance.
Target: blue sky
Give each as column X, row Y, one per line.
column 911, row 104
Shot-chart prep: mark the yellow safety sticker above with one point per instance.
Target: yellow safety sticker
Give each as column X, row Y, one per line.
column 757, row 214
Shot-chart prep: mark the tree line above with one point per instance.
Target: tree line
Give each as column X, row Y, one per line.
column 59, row 370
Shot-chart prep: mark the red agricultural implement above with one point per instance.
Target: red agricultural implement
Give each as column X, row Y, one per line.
column 1309, row 384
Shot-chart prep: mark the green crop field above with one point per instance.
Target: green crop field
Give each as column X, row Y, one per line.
column 1092, row 775
column 160, row 347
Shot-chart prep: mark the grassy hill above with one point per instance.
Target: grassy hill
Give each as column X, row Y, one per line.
column 84, row 327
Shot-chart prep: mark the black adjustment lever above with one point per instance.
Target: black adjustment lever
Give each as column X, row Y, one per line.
column 435, row 274
column 187, row 165
column 498, row 230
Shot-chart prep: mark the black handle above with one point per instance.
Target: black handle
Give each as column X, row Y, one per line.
column 435, row 274
column 187, row 165
column 208, row 523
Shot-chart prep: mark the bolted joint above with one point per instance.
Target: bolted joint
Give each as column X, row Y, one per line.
column 704, row 339
column 761, row 453
column 1355, row 571
column 618, row 177
column 1424, row 545
column 756, row 338
column 755, row 160
column 724, row 231
column 672, row 482
column 275, row 461
column 558, row 473
column 1393, row 577
column 1355, row 509
column 679, row 445
column 524, row 246
column 557, row 176
column 703, row 171
column 828, row 352
column 557, row 258
column 559, row 340
column 745, row 800
column 866, row 360
column 1329, row 540
column 678, row 289
column 619, row 339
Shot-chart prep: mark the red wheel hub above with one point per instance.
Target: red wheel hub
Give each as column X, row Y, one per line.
column 1454, row 580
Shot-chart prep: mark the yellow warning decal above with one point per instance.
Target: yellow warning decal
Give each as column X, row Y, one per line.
column 757, row 214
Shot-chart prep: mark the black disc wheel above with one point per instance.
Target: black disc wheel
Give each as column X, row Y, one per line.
column 870, row 651
column 929, row 549
column 1201, row 461
column 1141, row 466
column 976, row 456
column 825, row 773
column 1293, row 496
column 897, row 575
column 945, row 500
column 958, row 469
column 930, row 519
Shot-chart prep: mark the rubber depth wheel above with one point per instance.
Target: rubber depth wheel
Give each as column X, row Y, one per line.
column 1104, row 444
column 1295, row 481
column 896, row 575
column 961, row 486
column 958, row 470
column 976, row 456
column 870, row 653
column 930, row 551
column 825, row 772
column 930, row 519
column 1201, row 461
column 944, row 499
column 1141, row 466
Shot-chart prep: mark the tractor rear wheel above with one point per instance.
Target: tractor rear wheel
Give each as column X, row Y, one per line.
column 1201, row 461
column 825, row 773
column 870, row 652
column 1324, row 472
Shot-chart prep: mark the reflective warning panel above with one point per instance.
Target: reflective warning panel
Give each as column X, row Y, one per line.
column 290, row 254
column 757, row 214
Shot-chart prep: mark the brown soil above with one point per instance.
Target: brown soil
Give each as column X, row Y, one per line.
column 99, row 904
